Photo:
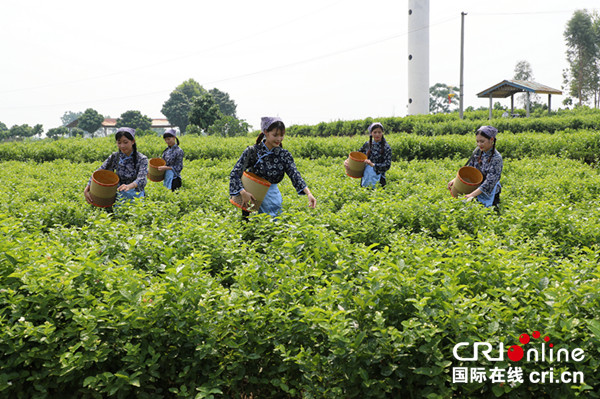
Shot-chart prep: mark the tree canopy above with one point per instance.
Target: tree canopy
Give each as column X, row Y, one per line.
column 69, row 116
column 178, row 107
column 582, row 36
column 23, row 131
column 58, row 132
column 523, row 71
column 226, row 105
column 135, row 120
column 439, row 99
column 191, row 89
column 204, row 111
column 228, row 126
column 90, row 121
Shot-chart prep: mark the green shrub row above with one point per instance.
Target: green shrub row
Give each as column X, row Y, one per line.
column 581, row 145
column 364, row 296
column 516, row 125
column 407, row 124
column 440, row 124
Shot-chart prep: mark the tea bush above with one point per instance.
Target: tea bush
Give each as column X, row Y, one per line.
column 440, row 124
column 364, row 296
column 573, row 144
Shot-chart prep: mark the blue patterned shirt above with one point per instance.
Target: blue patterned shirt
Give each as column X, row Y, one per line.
column 490, row 167
column 381, row 156
column 173, row 156
column 270, row 165
column 124, row 167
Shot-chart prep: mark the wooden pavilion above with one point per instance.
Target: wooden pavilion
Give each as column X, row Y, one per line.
column 511, row 87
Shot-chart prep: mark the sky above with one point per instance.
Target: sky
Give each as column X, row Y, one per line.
column 307, row 62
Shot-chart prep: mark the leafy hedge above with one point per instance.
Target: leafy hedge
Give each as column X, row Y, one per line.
column 581, row 145
column 365, row 296
column 440, row 124
column 518, row 125
column 407, row 124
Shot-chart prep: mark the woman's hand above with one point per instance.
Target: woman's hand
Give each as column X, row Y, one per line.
column 87, row 195
column 473, row 195
column 127, row 187
column 247, row 198
column 370, row 163
column 450, row 184
column 164, row 167
column 312, row 201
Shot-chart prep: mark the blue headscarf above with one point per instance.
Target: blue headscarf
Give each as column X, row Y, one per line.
column 489, row 131
column 267, row 121
column 127, row 130
column 374, row 125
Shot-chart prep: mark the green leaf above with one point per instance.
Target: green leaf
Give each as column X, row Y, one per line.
column 497, row 390
column 11, row 259
column 594, row 327
column 89, row 381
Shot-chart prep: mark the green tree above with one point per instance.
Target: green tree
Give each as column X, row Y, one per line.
column 582, row 56
column 58, row 132
column 228, row 126
column 4, row 131
column 76, row 132
column 20, row 131
column 135, row 120
column 69, row 116
column 204, row 111
column 596, row 78
column 523, row 71
column 37, row 130
column 191, row 89
column 177, row 107
column 90, row 121
column 226, row 105
column 498, row 106
column 438, row 98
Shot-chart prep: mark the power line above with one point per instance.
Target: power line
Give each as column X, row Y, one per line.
column 320, row 57
column 245, row 75
column 523, row 13
column 191, row 55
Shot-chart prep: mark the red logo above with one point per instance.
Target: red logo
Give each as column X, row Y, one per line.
column 515, row 352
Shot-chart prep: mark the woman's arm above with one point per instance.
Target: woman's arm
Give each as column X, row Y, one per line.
column 312, row 201
column 177, row 166
column 142, row 172
column 292, row 171
column 235, row 177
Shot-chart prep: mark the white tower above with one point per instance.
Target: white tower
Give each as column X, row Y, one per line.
column 418, row 57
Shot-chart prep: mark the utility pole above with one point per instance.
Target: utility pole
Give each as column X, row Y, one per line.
column 462, row 64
